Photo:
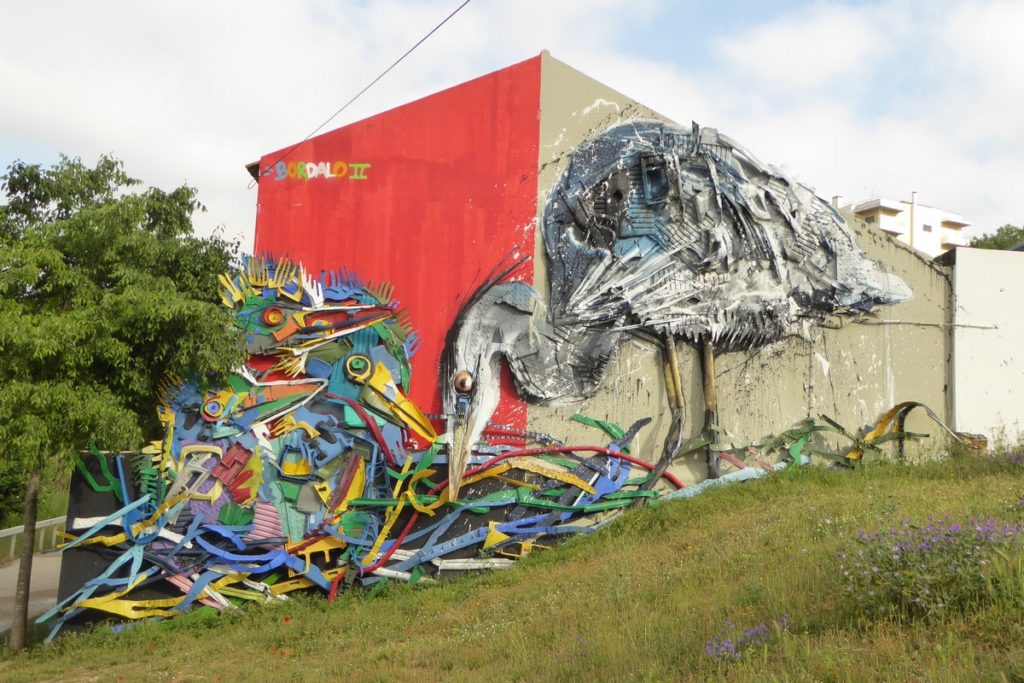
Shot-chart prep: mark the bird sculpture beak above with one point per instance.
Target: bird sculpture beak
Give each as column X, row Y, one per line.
column 460, row 447
column 466, row 427
column 381, row 392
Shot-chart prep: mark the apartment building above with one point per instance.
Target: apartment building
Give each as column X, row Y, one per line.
column 926, row 228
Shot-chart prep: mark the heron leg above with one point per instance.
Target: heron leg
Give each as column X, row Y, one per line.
column 710, row 406
column 674, row 440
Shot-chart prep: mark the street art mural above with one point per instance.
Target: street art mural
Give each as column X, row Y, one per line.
column 312, row 468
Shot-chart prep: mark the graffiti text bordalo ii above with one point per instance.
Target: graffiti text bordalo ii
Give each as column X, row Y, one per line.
column 310, row 170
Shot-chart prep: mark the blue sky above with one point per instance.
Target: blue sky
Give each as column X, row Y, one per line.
column 854, row 98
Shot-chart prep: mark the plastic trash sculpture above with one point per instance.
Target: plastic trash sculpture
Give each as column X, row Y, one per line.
column 311, row 467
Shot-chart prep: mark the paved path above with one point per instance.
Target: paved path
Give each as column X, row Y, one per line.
column 45, row 576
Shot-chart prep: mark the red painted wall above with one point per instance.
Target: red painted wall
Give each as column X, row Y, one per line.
column 450, row 191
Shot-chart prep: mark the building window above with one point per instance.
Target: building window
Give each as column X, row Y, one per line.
column 869, row 219
column 926, row 227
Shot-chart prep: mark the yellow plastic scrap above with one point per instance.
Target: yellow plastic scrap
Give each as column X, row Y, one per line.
column 494, row 537
column 324, row 545
column 355, row 489
column 138, row 527
column 227, row 399
column 131, row 609
column 256, row 272
column 298, row 468
column 291, row 365
column 211, row 495
column 538, row 466
column 497, row 470
column 302, row 582
column 252, row 484
column 391, row 518
column 141, row 609
column 890, row 423
column 288, row 423
column 134, row 609
column 525, row 548
column 195, row 449
column 287, row 272
column 231, row 294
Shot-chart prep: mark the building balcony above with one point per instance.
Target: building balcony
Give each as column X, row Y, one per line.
column 953, row 238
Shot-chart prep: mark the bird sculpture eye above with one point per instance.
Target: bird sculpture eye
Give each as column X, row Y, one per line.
column 273, row 316
column 357, row 367
column 463, row 382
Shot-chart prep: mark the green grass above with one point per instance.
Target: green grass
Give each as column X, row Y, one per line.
column 637, row 601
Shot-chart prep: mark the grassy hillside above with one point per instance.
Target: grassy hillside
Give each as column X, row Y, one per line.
column 647, row 598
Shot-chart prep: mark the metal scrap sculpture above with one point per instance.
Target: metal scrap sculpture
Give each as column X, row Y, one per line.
column 681, row 233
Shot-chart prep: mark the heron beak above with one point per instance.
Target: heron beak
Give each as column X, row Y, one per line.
column 464, row 432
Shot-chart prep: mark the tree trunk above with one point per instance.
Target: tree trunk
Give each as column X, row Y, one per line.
column 19, row 629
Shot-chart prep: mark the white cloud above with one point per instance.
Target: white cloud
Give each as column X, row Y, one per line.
column 856, row 99
column 809, row 48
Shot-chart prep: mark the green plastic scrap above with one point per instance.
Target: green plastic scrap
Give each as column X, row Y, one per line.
column 610, row 428
column 232, row 514
column 564, row 462
column 149, row 478
column 353, row 523
column 111, row 485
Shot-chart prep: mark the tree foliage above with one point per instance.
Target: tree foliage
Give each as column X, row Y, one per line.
column 1006, row 237
column 104, row 290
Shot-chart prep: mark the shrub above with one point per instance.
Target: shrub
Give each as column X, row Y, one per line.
column 924, row 571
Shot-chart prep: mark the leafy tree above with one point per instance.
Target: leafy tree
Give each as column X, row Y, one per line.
column 1005, row 237
column 104, row 291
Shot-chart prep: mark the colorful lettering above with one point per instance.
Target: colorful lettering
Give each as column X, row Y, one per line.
column 308, row 170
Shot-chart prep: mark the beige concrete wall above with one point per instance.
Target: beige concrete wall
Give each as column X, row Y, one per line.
column 989, row 363
column 852, row 373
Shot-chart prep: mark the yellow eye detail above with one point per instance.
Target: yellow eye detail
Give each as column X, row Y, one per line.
column 463, row 382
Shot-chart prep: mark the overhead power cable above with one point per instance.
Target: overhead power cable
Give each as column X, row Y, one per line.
column 371, row 83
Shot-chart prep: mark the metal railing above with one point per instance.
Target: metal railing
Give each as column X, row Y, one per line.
column 44, row 540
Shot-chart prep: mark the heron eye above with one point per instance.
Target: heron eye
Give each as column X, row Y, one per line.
column 463, row 382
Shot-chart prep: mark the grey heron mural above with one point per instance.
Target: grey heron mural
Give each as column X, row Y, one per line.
column 680, row 233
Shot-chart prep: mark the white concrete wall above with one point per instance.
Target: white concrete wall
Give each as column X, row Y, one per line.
column 988, row 344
